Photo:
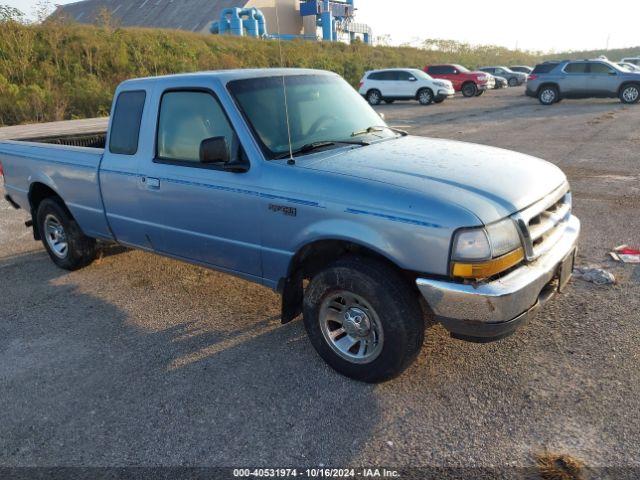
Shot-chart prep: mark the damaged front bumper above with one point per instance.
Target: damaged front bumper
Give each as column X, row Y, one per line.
column 492, row 310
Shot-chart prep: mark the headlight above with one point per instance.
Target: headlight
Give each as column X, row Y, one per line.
column 504, row 237
column 483, row 252
column 440, row 84
column 471, row 245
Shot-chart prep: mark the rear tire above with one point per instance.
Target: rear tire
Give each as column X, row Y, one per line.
column 364, row 319
column 374, row 97
column 548, row 95
column 469, row 90
column 630, row 94
column 65, row 243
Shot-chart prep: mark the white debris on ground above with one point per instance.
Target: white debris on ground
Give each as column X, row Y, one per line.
column 625, row 254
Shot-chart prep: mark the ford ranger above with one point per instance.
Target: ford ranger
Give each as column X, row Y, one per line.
column 288, row 178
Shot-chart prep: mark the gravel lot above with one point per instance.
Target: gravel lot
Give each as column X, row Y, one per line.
column 140, row 360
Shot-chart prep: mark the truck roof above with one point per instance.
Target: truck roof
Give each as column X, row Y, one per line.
column 229, row 75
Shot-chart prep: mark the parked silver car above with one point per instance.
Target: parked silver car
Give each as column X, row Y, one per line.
column 629, row 66
column 514, row 78
column 634, row 60
column 550, row 82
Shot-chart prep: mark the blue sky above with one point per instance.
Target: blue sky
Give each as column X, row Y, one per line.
column 540, row 25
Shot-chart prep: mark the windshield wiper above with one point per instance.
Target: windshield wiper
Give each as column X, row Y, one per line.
column 379, row 128
column 310, row 147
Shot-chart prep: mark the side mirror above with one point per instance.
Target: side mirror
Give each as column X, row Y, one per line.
column 455, row 72
column 214, row 150
column 413, row 79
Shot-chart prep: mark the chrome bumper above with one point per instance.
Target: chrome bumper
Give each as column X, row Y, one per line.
column 481, row 309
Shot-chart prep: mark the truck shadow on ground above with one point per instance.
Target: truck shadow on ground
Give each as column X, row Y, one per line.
column 86, row 385
column 89, row 381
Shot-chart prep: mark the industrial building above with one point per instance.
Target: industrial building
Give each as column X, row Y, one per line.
column 309, row 19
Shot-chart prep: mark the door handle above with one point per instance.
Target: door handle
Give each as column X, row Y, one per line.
column 151, row 183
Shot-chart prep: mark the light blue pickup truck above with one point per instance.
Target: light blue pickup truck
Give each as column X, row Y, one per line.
column 289, row 179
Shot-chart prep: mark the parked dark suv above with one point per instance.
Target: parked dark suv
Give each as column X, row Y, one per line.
column 550, row 82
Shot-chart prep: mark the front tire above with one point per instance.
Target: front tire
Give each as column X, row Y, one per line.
column 363, row 319
column 439, row 99
column 479, row 93
column 374, row 97
column 513, row 82
column 389, row 102
column 469, row 89
column 548, row 95
column 65, row 243
column 630, row 94
column 425, row 96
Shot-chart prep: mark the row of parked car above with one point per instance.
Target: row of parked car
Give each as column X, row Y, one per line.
column 436, row 83
column 550, row 81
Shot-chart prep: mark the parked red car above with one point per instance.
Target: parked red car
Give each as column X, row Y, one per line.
column 471, row 84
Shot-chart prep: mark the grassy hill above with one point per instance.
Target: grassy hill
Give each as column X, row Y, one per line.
column 60, row 71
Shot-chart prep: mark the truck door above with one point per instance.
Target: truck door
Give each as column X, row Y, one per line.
column 195, row 211
column 119, row 169
column 451, row 73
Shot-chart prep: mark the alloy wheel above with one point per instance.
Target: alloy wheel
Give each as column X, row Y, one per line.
column 351, row 327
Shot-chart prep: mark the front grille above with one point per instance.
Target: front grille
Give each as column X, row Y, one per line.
column 543, row 224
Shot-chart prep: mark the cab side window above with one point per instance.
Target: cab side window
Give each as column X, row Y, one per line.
column 186, row 119
column 125, row 126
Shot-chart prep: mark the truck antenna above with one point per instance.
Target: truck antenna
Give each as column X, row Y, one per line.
column 291, row 160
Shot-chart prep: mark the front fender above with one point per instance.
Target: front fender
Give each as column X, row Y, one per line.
column 407, row 243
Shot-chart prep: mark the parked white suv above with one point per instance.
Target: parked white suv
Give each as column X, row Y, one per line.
column 404, row 84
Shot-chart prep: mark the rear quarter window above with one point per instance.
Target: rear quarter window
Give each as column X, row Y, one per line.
column 544, row 67
column 125, row 125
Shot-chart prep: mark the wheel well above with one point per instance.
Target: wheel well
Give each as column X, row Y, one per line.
column 373, row 90
column 548, row 84
column 468, row 82
column 626, row 84
column 424, row 88
column 312, row 258
column 37, row 193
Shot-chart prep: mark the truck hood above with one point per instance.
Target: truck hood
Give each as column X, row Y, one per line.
column 490, row 182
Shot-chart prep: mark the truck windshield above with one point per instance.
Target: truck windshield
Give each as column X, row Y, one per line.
column 321, row 110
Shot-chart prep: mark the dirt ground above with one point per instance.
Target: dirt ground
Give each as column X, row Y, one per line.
column 140, row 360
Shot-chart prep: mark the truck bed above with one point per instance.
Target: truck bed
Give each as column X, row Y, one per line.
column 55, row 162
column 67, row 128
